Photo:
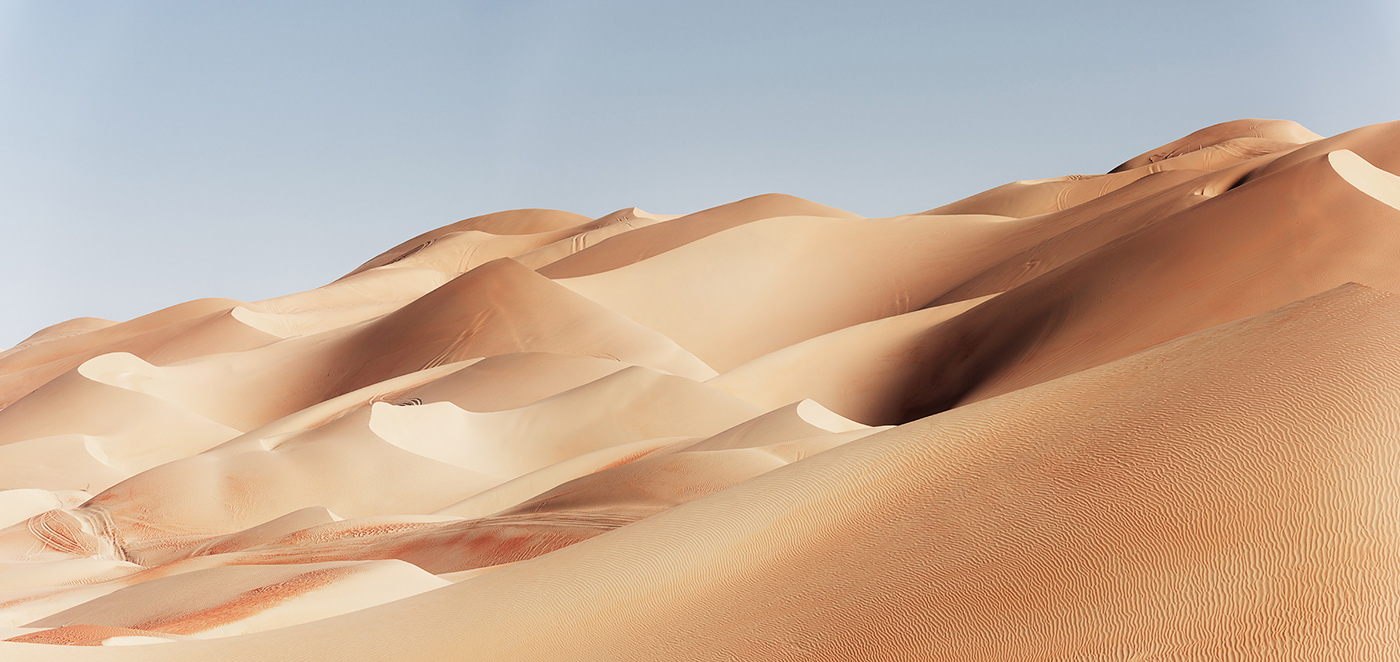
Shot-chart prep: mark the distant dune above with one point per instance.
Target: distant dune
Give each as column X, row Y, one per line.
column 1152, row 414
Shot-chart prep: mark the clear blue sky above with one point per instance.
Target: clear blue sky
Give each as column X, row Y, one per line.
column 154, row 152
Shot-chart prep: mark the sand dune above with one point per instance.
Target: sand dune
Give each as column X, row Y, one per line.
column 863, row 371
column 180, row 332
column 1148, row 414
column 1280, row 132
column 638, row 246
column 1270, row 241
column 502, row 225
column 792, row 278
column 232, row 600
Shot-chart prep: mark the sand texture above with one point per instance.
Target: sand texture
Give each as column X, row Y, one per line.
column 1152, row 414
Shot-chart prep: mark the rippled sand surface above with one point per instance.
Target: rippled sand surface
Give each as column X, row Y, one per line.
column 1152, row 414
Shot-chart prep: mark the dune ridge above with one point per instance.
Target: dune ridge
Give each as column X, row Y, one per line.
column 1147, row 414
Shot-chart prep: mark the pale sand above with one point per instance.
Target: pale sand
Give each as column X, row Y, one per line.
column 1149, row 414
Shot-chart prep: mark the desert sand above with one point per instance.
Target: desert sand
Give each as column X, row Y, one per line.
column 1147, row 414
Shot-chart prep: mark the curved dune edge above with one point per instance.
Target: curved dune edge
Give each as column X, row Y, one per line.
column 1149, row 414
column 1367, row 178
column 800, row 530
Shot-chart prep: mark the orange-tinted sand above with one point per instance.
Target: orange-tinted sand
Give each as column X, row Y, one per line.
column 1150, row 414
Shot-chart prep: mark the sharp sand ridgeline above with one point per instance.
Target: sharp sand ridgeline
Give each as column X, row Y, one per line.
column 1151, row 414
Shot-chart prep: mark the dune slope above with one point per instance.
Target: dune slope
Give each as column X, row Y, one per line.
column 1148, row 414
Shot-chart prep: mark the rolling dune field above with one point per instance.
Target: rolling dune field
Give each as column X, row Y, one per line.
column 1152, row 414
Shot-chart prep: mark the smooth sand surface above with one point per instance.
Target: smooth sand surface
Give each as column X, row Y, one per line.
column 1148, row 414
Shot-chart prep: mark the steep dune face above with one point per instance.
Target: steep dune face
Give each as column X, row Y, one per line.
column 1083, row 228
column 1149, row 414
column 1276, row 239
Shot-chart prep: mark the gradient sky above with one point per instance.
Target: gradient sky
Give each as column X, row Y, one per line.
column 155, row 152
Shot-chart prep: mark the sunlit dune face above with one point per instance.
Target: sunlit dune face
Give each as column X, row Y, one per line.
column 1148, row 414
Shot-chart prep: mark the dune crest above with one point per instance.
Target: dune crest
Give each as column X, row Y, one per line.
column 1146, row 414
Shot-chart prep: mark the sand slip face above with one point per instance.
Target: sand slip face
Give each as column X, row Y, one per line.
column 1150, row 414
column 1272, row 240
column 792, row 278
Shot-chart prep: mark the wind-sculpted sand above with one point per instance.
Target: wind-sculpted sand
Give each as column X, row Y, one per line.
column 1150, row 414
